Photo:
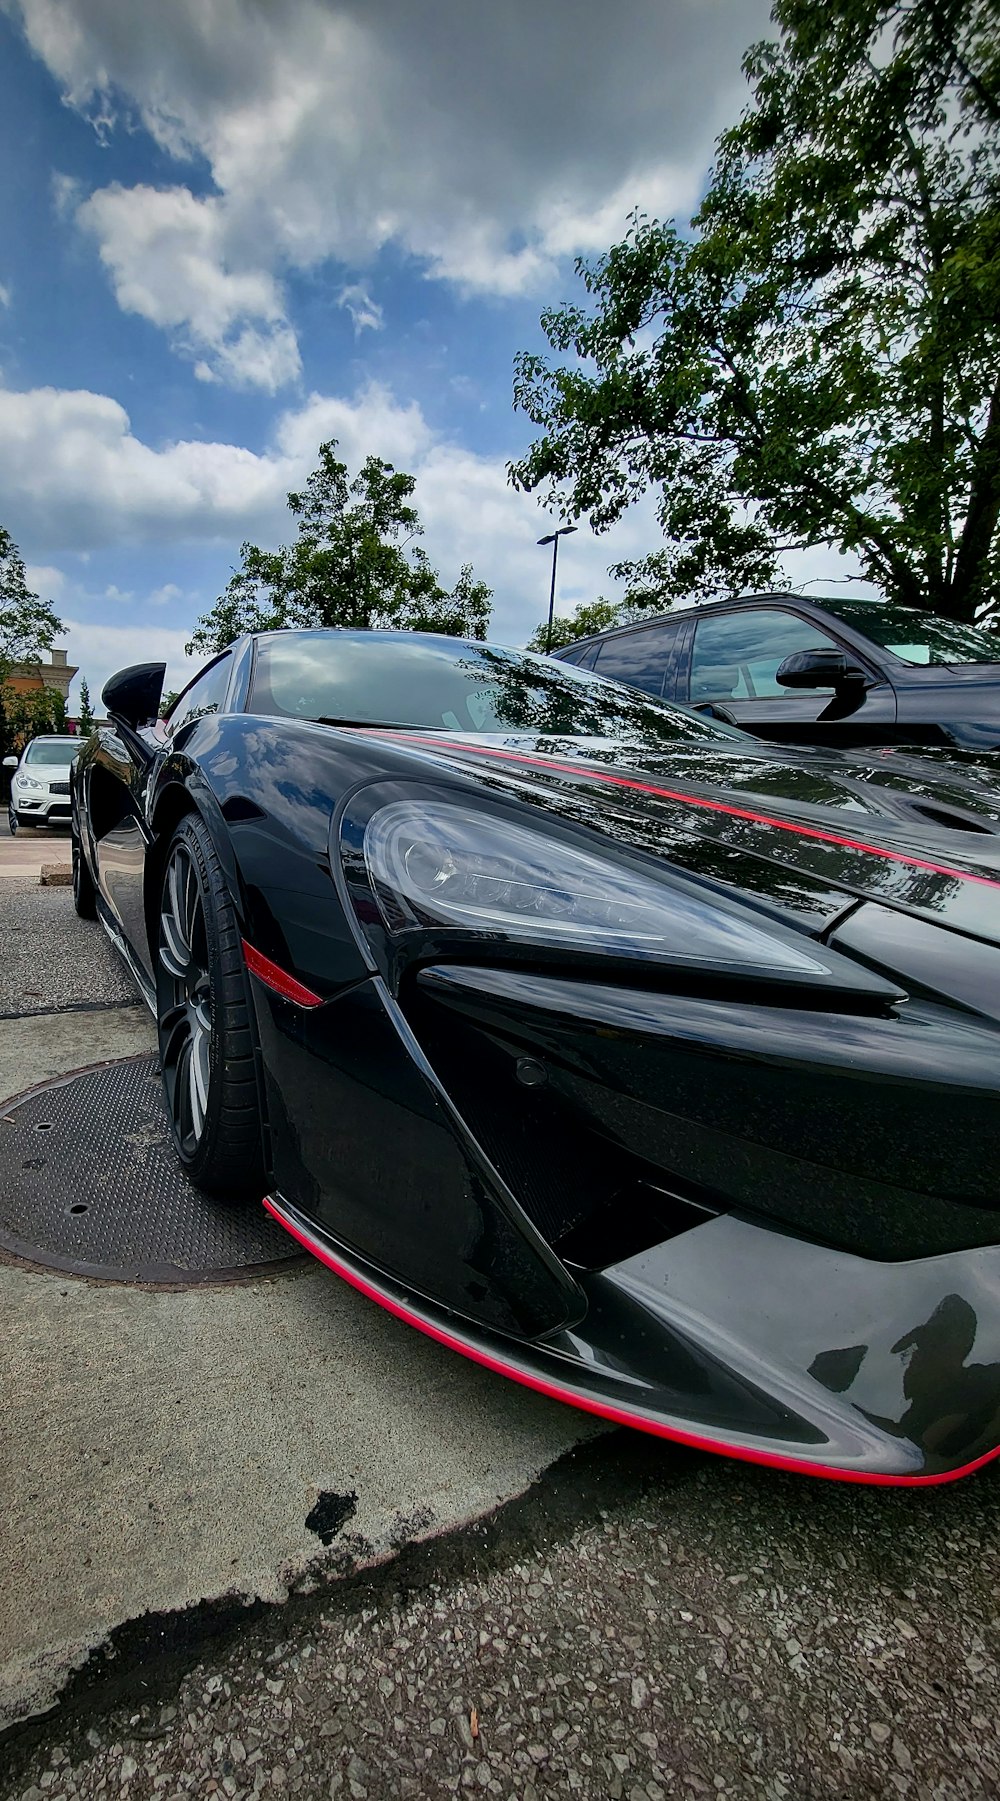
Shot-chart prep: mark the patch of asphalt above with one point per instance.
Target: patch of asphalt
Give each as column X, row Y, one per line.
column 645, row 1623
column 52, row 959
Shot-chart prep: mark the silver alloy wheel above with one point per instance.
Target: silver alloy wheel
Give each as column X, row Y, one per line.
column 185, row 1021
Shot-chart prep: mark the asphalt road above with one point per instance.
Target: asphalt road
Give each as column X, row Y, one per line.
column 644, row 1622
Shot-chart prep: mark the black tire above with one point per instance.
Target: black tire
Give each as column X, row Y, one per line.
column 12, row 821
column 84, row 892
column 205, row 1023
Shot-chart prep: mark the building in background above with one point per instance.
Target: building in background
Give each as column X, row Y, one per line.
column 57, row 674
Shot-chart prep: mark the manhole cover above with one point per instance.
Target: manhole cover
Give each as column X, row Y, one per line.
column 89, row 1184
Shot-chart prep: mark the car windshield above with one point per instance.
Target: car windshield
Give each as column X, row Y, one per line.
column 917, row 637
column 449, row 684
column 51, row 753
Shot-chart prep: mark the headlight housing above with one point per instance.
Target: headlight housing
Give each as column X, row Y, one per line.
column 442, row 871
column 27, row 781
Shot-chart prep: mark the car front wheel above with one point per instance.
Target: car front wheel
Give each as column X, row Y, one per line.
column 205, row 1024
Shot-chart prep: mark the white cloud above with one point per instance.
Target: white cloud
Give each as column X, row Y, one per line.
column 169, row 260
column 74, row 476
column 99, row 651
column 45, row 580
column 6, row 294
column 365, row 312
column 373, row 423
column 67, row 193
column 486, row 141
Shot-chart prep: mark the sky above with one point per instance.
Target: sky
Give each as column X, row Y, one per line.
column 231, row 229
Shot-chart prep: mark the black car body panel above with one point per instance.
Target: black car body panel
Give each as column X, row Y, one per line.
column 890, row 699
column 747, row 1199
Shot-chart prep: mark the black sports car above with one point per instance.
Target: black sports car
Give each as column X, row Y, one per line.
column 651, row 1065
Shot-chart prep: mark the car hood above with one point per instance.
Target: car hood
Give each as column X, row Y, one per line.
column 808, row 833
column 983, row 677
column 46, row 772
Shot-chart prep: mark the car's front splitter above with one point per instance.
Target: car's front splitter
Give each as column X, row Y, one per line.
column 740, row 1340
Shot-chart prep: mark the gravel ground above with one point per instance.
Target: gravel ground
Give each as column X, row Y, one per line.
column 50, row 958
column 646, row 1623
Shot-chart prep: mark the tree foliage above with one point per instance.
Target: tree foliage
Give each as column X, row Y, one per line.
column 589, row 617
column 34, row 714
column 85, row 720
column 818, row 362
column 354, row 563
column 28, row 625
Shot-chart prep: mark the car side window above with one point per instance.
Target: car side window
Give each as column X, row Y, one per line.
column 584, row 658
column 638, row 658
column 206, row 694
column 736, row 656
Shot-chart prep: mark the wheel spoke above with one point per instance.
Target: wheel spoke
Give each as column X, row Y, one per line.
column 175, row 928
column 198, row 1074
column 181, row 1097
column 173, row 955
column 174, row 1028
column 185, row 999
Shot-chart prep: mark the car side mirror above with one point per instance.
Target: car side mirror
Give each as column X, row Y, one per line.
column 132, row 697
column 10, row 762
column 820, row 668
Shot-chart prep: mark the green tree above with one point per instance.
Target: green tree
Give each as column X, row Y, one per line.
column 353, row 563
column 35, row 714
column 86, row 717
column 28, row 625
column 818, row 362
column 589, row 617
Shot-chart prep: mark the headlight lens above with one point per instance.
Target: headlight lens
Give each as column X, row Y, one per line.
column 27, row 781
column 434, row 864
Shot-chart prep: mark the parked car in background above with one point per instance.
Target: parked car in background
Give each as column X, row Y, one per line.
column 833, row 672
column 39, row 786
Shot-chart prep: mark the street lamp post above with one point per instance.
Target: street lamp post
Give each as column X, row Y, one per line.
column 553, row 539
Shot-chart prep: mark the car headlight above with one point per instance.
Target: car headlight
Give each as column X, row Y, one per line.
column 28, row 781
column 435, row 864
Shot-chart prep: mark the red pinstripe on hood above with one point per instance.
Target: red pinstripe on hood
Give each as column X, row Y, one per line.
column 586, row 772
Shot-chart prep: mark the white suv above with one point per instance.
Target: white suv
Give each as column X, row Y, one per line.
column 39, row 787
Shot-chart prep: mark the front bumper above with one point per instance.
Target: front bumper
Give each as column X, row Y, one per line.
column 47, row 808
column 743, row 1341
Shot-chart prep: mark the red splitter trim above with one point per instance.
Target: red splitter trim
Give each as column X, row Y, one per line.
column 277, row 979
column 694, row 800
column 619, row 1416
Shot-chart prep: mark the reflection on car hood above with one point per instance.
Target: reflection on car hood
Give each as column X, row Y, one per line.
column 806, row 831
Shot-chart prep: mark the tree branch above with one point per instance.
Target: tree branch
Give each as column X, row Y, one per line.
column 981, row 520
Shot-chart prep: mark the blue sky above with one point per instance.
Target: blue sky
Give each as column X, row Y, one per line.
column 229, row 230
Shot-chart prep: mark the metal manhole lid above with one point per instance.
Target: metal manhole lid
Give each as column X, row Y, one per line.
column 89, row 1184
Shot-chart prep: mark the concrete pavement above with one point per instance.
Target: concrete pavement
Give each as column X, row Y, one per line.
column 23, row 855
column 158, row 1449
